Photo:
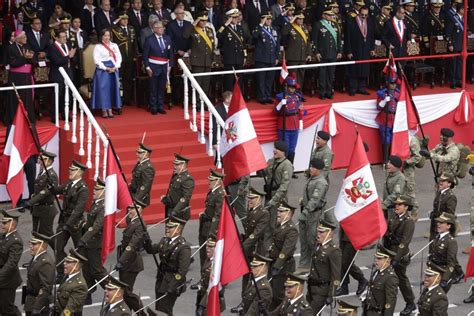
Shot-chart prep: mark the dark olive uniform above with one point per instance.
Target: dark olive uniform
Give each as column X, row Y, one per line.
column 382, row 295
column 258, row 220
column 179, row 194
column 433, row 302
column 299, row 307
column 445, row 201
column 142, row 179
column 118, row 308
column 11, row 248
column 71, row 295
column 348, row 252
column 175, row 258
column 121, row 309
column 443, row 253
column 250, row 299
column 298, row 47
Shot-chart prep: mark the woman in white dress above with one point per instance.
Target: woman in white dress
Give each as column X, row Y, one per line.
column 105, row 85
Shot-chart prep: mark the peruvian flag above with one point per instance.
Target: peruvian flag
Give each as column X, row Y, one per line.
column 19, row 147
column 229, row 262
column 464, row 112
column 358, row 207
column 240, row 149
column 284, row 71
column 117, row 197
column 470, row 263
column 390, row 68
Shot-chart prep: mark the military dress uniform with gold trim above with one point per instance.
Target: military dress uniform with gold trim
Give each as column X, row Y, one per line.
column 382, row 296
column 11, row 248
column 444, row 202
column 432, row 25
column 250, row 299
column 143, row 175
column 121, row 309
column 297, row 48
column 281, row 251
column 258, row 220
column 71, row 295
column 434, row 302
column 39, row 283
column 175, row 258
column 300, row 307
column 179, row 194
column 325, row 274
column 443, row 252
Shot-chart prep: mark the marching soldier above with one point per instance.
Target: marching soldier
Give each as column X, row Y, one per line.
column 277, row 177
column 445, row 200
column 325, row 272
column 238, row 191
column 445, row 154
column 209, row 219
column 397, row 239
column 115, row 305
column 125, row 37
column 90, row 244
column 312, row 204
column 394, row 184
column 383, row 286
column 180, row 189
column 298, row 44
column 348, row 306
column 40, row 277
column 251, row 301
column 433, row 300
column 202, row 45
column 143, row 175
column 130, row 261
column 11, row 248
column 432, row 24
column 42, row 201
column 175, row 258
column 72, row 291
column 444, row 249
column 75, row 193
column 323, row 152
column 281, row 251
column 294, row 302
column 409, row 173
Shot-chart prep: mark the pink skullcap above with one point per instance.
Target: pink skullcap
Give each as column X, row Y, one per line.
column 18, row 33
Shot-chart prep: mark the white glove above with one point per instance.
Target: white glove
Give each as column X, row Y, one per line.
column 283, row 101
column 387, row 98
column 301, row 125
column 279, row 105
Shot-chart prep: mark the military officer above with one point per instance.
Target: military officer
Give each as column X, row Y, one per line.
column 130, row 261
column 348, row 306
column 394, row 184
column 125, row 37
column 75, row 193
column 454, row 34
column 409, row 173
column 238, row 191
column 71, row 36
column 180, row 189
column 281, row 251
column 277, row 177
column 72, row 291
column 143, row 175
column 11, row 248
column 380, row 20
column 432, row 24
column 327, row 43
column 42, row 201
column 251, row 301
column 382, row 294
column 445, row 154
column 298, row 44
column 411, row 18
column 445, row 200
column 203, row 45
column 90, row 244
column 267, row 48
column 444, row 249
column 115, row 305
column 397, row 238
column 357, row 5
column 209, row 219
column 312, row 204
column 325, row 271
column 175, row 258
column 323, row 152
column 294, row 302
column 40, row 277
column 433, row 300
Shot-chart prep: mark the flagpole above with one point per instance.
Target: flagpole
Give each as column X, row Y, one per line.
column 140, row 218
column 407, row 86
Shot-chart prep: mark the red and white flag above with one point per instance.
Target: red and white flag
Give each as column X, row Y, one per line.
column 390, row 69
column 19, row 147
column 358, row 207
column 117, row 197
column 229, row 261
column 464, row 113
column 240, row 149
column 470, row 264
column 284, row 71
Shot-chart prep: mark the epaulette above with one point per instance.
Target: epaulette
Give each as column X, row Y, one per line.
column 352, row 14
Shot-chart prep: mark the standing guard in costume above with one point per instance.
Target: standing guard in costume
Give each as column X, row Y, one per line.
column 143, row 175
column 41, row 203
column 180, row 189
column 11, row 248
column 40, row 277
column 433, row 300
column 115, row 305
column 294, row 302
column 445, row 200
column 397, row 238
column 290, row 116
column 175, row 258
column 387, row 100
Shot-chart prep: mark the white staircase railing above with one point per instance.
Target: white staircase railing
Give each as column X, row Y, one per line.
column 80, row 108
column 204, row 104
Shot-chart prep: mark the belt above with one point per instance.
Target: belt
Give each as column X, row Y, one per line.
column 45, row 204
column 319, row 283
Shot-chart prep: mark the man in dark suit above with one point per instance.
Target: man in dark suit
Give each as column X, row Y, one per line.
column 252, row 11
column 87, row 16
column 213, row 13
column 160, row 11
column 105, row 17
column 37, row 39
column 158, row 60
column 30, row 10
column 454, row 33
column 137, row 17
column 395, row 35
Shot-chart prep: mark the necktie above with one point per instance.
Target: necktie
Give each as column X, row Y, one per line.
column 125, row 30
column 159, row 15
column 38, row 38
column 106, row 309
column 160, row 40
column 63, row 47
column 209, row 14
column 139, row 19
column 180, row 23
column 107, row 15
column 400, row 25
